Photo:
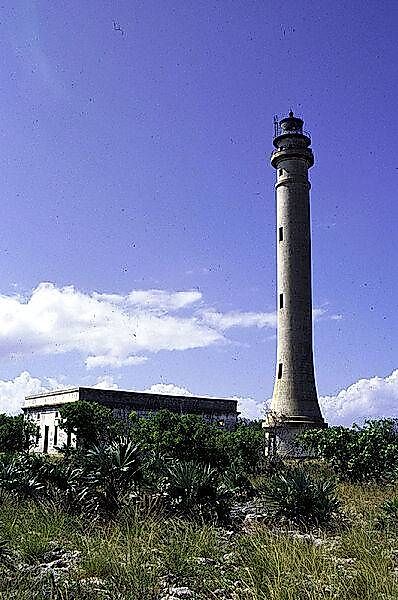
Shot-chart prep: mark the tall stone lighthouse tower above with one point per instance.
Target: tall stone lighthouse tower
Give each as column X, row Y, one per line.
column 295, row 403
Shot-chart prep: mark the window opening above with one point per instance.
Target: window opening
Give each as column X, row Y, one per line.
column 280, row 300
column 55, row 435
column 280, row 171
column 281, row 234
column 280, row 371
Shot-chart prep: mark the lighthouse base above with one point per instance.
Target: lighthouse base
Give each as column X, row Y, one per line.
column 281, row 436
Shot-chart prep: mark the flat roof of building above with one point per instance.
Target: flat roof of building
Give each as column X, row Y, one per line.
column 130, row 398
column 118, row 391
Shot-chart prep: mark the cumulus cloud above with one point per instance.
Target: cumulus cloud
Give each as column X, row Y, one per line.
column 13, row 391
column 366, row 399
column 168, row 388
column 106, row 329
column 106, row 383
column 115, row 330
column 249, row 408
column 372, row 398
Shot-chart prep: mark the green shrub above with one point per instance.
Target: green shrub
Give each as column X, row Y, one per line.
column 15, row 433
column 295, row 497
column 19, row 479
column 165, row 435
column 90, row 422
column 387, row 518
column 183, row 437
column 108, row 478
column 196, row 491
column 367, row 453
column 244, row 447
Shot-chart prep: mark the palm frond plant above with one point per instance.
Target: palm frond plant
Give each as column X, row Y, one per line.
column 296, row 497
column 195, row 490
column 109, row 476
column 17, row 478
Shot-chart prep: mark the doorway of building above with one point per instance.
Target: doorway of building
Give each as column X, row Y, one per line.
column 45, row 445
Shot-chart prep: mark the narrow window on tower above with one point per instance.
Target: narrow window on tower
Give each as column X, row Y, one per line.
column 55, row 435
column 280, row 371
column 280, row 300
column 281, row 234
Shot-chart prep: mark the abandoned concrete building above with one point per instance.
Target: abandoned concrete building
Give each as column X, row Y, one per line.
column 43, row 410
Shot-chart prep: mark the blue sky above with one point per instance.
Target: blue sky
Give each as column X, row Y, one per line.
column 135, row 167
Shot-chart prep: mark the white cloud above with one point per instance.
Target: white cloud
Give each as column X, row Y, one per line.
column 250, row 408
column 113, row 361
column 168, row 388
column 106, row 329
column 322, row 314
column 163, row 300
column 372, row 398
column 106, row 383
column 13, row 391
column 224, row 321
column 115, row 330
column 366, row 399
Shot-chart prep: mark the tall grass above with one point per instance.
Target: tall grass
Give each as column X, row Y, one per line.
column 137, row 557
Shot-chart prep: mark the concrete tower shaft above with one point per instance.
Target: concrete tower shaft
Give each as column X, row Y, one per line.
column 295, row 396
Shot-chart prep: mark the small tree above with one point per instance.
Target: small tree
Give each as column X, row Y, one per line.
column 362, row 453
column 244, row 447
column 186, row 437
column 15, row 433
column 90, row 422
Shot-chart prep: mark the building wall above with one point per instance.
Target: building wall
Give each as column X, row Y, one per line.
column 44, row 413
column 43, row 410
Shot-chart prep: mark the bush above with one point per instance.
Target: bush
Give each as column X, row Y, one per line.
column 108, row 478
column 183, row 437
column 295, row 497
column 18, row 478
column 15, row 433
column 388, row 515
column 90, row 422
column 165, row 435
column 244, row 447
column 196, row 491
column 357, row 454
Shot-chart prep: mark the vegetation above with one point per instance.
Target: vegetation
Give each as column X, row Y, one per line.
column 175, row 507
column 90, row 422
column 295, row 497
column 367, row 453
column 14, row 433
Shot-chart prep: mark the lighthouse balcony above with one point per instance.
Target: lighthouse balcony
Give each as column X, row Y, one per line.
column 291, row 151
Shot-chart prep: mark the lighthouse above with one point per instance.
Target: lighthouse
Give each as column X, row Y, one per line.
column 294, row 405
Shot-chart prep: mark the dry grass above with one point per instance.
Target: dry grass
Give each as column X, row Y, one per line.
column 134, row 559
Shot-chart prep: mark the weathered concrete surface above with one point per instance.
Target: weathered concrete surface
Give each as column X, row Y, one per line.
column 295, row 401
column 43, row 410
